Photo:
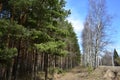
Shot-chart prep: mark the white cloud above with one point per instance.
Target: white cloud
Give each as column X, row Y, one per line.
column 77, row 26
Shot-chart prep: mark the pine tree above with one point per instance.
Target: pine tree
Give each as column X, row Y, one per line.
column 116, row 58
column 33, row 34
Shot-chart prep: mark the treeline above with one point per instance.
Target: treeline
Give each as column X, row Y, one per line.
column 110, row 58
column 35, row 37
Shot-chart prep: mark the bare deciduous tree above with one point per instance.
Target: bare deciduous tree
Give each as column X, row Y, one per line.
column 94, row 33
column 107, row 58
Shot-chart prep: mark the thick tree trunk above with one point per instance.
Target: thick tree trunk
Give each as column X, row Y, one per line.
column 42, row 62
column 36, row 65
column 56, row 64
column 71, row 66
column 46, row 65
column 10, row 71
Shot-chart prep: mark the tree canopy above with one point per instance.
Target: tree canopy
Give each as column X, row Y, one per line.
column 35, row 36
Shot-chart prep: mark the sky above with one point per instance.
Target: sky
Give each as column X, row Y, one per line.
column 79, row 9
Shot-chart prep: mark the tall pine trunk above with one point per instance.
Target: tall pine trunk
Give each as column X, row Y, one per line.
column 17, row 61
column 46, row 65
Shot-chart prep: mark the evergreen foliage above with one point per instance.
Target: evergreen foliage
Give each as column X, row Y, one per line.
column 116, row 58
column 34, row 36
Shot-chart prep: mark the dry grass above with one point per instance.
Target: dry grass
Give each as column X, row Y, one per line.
column 81, row 73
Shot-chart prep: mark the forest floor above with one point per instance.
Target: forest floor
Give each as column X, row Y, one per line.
column 80, row 73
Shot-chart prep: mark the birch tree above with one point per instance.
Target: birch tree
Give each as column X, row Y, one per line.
column 98, row 21
column 87, row 43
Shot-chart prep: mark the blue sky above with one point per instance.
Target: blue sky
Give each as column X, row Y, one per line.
column 79, row 11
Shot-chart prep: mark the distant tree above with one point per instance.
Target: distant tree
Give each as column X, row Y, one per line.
column 107, row 58
column 116, row 58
